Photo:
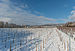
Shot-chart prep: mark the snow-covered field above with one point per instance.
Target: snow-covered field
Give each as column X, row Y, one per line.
column 36, row 39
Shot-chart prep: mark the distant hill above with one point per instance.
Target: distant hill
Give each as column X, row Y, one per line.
column 12, row 25
column 46, row 25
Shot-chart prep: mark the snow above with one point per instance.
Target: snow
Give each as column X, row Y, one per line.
column 35, row 39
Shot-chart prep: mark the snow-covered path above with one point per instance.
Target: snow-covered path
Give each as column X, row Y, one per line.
column 36, row 39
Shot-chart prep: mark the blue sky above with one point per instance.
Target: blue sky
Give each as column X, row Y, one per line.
column 37, row 11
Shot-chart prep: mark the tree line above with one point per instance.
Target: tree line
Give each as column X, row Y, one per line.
column 10, row 25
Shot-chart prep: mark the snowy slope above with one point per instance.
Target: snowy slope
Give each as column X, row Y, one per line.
column 36, row 39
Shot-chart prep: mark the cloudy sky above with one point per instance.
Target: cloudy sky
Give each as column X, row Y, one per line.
column 37, row 11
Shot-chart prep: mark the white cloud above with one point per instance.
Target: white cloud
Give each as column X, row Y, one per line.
column 5, row 19
column 16, row 14
column 73, row 12
column 19, row 15
column 72, row 16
